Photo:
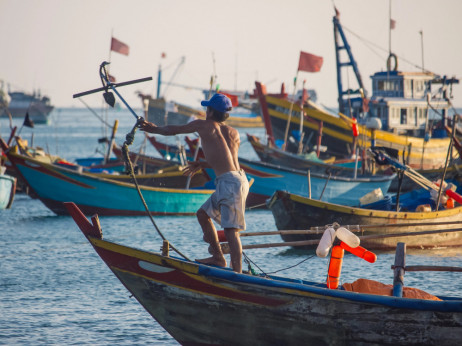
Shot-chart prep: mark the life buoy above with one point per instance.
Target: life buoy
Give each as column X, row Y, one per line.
column 395, row 58
column 335, row 267
column 336, row 261
column 326, row 242
column 360, row 252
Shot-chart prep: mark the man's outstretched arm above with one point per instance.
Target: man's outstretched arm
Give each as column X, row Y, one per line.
column 170, row 130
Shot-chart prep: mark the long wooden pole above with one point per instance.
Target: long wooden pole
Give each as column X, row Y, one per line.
column 284, row 145
column 351, row 228
column 451, row 141
column 431, row 269
column 225, row 246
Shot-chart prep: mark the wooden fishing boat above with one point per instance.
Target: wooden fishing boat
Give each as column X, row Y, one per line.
column 55, row 184
column 327, row 187
column 276, row 156
column 331, row 185
column 145, row 163
column 177, row 114
column 170, row 179
column 337, row 135
column 205, row 305
column 280, row 157
column 295, row 212
column 7, row 189
column 397, row 115
column 175, row 153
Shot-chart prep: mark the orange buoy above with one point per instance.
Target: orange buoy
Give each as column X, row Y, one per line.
column 449, row 203
column 360, row 252
column 335, row 267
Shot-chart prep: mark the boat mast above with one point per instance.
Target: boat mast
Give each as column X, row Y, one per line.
column 344, row 96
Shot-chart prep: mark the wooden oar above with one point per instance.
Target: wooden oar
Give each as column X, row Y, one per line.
column 351, row 228
column 225, row 247
column 358, row 228
column 431, row 269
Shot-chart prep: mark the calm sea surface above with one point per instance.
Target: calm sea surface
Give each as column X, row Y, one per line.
column 55, row 290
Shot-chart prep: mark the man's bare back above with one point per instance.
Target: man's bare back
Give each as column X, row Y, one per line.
column 220, row 142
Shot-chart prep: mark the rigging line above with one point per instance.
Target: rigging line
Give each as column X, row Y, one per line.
column 95, row 114
column 256, row 206
column 293, row 266
column 129, row 140
column 364, row 41
column 248, row 260
column 384, row 50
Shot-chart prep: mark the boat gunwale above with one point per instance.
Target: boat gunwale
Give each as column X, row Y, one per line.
column 405, row 215
column 287, row 286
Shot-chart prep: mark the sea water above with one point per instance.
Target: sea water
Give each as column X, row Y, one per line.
column 55, row 290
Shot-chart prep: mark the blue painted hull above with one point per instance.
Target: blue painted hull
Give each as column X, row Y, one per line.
column 340, row 190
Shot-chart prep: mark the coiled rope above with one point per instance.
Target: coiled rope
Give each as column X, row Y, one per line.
column 129, row 138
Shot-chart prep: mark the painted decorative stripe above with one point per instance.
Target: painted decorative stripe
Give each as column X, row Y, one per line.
column 258, row 173
column 154, row 267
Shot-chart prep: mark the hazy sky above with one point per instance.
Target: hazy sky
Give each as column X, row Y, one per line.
column 57, row 46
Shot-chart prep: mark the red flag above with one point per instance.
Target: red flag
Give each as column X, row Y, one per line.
column 392, row 24
column 163, row 55
column 309, row 62
column 234, row 99
column 119, row 47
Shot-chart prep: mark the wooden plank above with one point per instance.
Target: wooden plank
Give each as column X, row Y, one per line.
column 431, row 268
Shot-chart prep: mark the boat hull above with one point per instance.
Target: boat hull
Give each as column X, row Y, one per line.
column 205, row 305
column 293, row 212
column 7, row 191
column 337, row 135
column 54, row 185
column 183, row 115
column 335, row 189
column 39, row 114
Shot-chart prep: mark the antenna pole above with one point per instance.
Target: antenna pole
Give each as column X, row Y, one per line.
column 422, row 46
column 389, row 27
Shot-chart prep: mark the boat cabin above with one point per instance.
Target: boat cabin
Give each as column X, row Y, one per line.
column 406, row 104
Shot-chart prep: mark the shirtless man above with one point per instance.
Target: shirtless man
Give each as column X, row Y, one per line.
column 226, row 205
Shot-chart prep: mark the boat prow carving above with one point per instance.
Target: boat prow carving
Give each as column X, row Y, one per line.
column 88, row 229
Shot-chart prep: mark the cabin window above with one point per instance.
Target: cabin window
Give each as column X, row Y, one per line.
column 403, row 116
column 421, row 113
column 387, row 85
column 408, row 84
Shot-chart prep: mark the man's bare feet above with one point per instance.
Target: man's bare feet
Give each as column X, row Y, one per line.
column 214, row 261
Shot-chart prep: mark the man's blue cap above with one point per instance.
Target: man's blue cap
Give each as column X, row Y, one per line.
column 219, row 102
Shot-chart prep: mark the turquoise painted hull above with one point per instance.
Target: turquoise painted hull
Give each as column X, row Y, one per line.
column 55, row 185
